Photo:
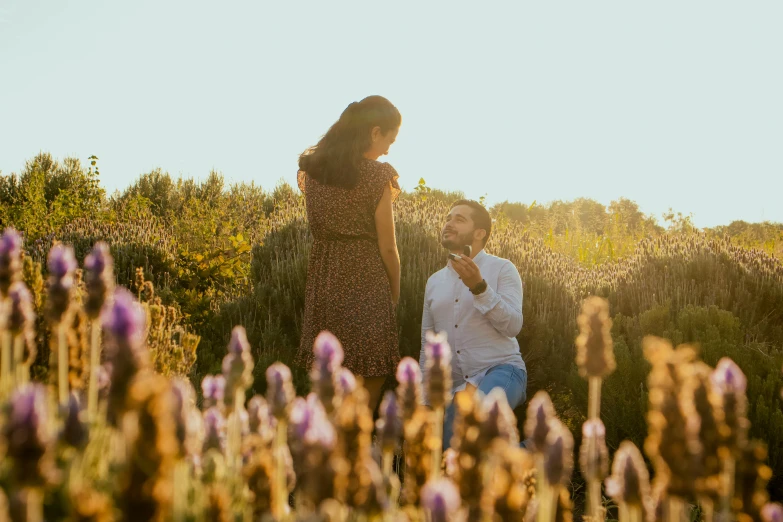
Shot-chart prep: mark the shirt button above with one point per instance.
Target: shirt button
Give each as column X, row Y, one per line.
column 456, row 326
column 459, row 351
column 466, row 376
column 456, row 300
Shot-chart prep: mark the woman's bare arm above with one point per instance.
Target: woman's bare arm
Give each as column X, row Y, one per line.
column 387, row 242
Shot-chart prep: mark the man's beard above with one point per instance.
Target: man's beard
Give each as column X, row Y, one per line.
column 455, row 241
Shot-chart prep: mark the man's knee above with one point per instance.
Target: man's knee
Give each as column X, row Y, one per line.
column 513, row 382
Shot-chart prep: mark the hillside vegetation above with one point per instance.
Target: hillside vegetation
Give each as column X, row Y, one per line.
column 223, row 255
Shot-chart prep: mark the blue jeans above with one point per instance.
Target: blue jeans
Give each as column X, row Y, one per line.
column 512, row 380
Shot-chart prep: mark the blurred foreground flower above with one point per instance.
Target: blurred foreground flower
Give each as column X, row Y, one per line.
column 440, row 498
column 125, row 327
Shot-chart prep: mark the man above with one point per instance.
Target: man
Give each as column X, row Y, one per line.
column 477, row 302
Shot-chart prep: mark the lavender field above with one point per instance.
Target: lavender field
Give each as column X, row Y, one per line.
column 147, row 341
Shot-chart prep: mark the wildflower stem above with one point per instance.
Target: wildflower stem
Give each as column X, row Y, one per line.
column 728, row 491
column 547, row 507
column 623, row 512
column 280, row 499
column 62, row 364
column 19, row 367
column 5, row 361
column 387, row 462
column 676, row 509
column 437, row 450
column 235, row 431
column 95, row 362
column 34, row 507
column 594, row 413
column 594, row 499
column 543, row 491
column 181, row 485
column 392, row 480
column 708, row 510
column 594, row 394
column 630, row 512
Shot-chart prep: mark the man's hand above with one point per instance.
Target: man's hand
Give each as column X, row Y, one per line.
column 468, row 271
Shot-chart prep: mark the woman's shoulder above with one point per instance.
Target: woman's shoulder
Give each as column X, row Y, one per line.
column 382, row 170
column 378, row 175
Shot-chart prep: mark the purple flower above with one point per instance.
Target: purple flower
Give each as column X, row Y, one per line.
column 62, row 265
column 74, row 432
column 279, row 391
column 500, row 420
column 322, row 433
column 214, row 430
column 10, row 244
column 21, row 316
column 409, row 387
column 593, row 428
column 389, row 423
column 258, row 413
column 10, row 259
column 408, row 372
column 300, row 417
column 438, row 369
column 558, row 455
column 728, row 378
column 238, row 345
column 539, row 414
column 347, row 381
column 772, row 512
column 320, row 430
column 441, row 499
column 437, row 349
column 28, row 412
column 630, row 480
column 213, row 387
column 26, row 435
column 237, row 366
column 126, row 321
column 125, row 324
column 310, row 424
column 328, row 351
column 61, row 261
column 594, row 463
column 98, row 260
column 98, row 278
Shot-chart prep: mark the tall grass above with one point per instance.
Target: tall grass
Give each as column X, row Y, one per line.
column 143, row 449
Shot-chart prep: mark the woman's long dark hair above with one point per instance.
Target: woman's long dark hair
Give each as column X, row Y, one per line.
column 336, row 158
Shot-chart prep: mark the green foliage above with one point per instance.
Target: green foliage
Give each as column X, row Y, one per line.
column 764, row 236
column 172, row 348
column 238, row 255
column 48, row 195
column 583, row 229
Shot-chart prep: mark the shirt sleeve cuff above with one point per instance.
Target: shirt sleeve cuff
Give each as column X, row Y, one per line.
column 486, row 300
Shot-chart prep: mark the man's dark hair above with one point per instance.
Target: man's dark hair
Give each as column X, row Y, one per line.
column 479, row 214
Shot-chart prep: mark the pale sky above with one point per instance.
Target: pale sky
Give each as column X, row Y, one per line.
column 671, row 103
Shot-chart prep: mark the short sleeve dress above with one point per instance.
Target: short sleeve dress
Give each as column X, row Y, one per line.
column 348, row 292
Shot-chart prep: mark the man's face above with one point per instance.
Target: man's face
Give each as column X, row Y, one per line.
column 459, row 229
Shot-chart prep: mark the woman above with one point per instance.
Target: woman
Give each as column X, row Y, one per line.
column 353, row 278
